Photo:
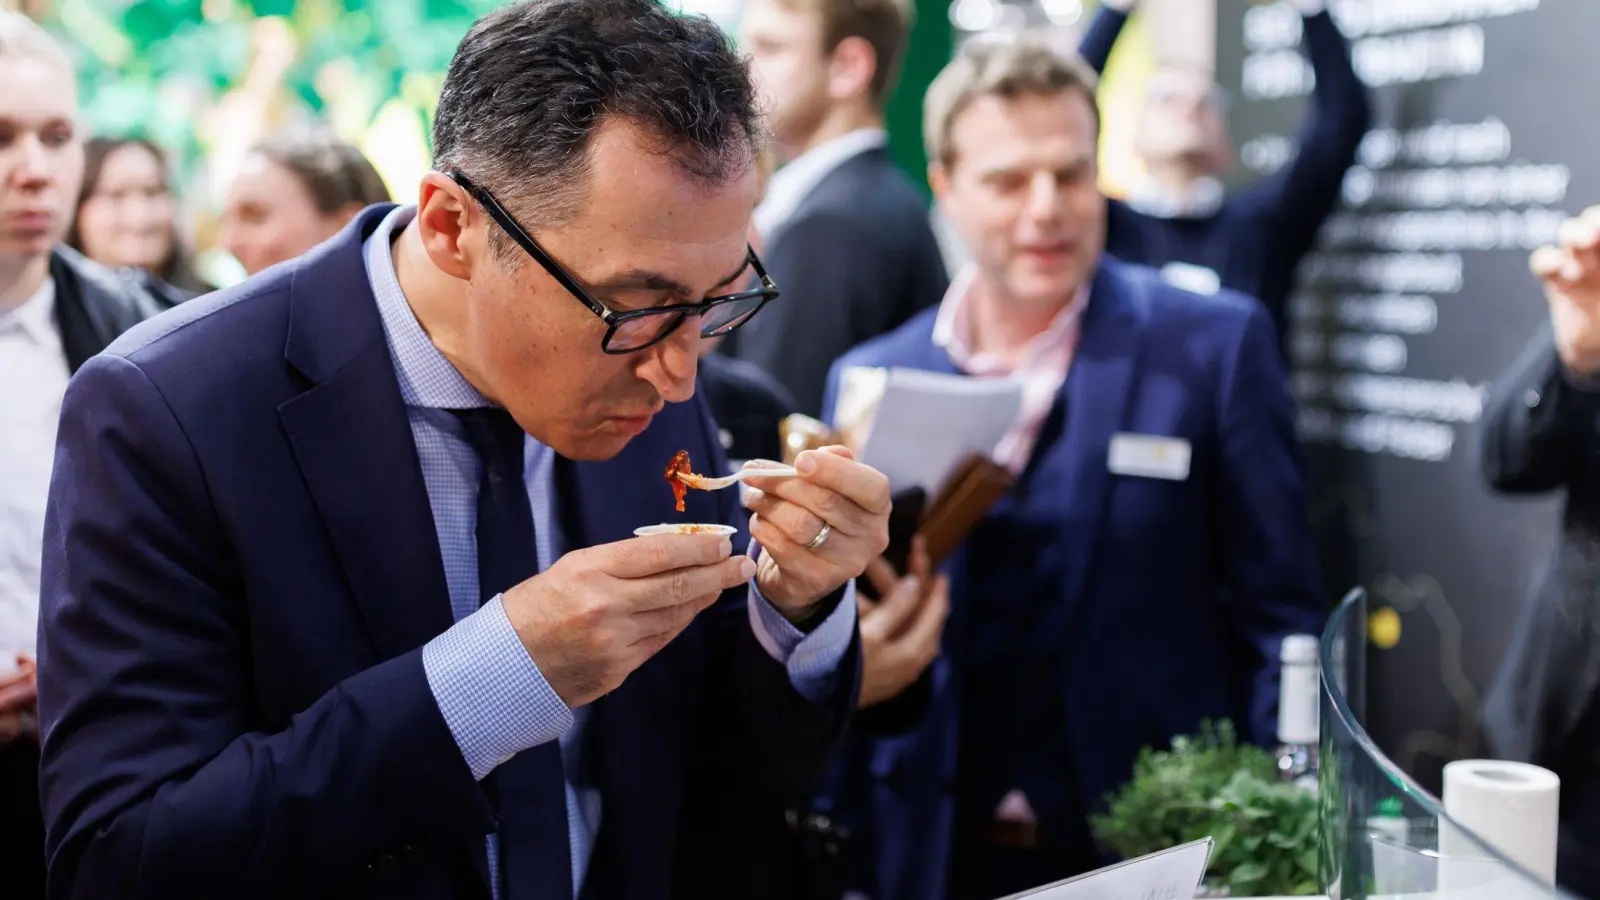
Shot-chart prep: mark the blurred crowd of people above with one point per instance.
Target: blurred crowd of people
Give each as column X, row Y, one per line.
column 1137, row 578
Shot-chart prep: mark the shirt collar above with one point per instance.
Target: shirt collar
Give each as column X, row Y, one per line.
column 952, row 327
column 795, row 181
column 1204, row 199
column 36, row 317
column 426, row 378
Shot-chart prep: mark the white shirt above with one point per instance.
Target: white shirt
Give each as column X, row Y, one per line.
column 1204, row 198
column 791, row 184
column 33, row 380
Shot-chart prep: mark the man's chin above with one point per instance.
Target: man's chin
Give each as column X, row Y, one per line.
column 1040, row 290
column 601, row 442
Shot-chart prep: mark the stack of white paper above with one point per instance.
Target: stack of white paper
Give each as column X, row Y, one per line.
column 916, row 427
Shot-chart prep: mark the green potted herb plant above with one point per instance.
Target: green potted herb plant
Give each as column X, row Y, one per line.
column 1263, row 829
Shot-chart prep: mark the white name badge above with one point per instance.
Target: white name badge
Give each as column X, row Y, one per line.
column 1192, row 278
column 1149, row 456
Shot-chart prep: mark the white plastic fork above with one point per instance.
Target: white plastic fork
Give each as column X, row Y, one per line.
column 700, row 482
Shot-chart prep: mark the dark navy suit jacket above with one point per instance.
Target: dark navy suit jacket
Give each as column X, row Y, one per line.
column 241, row 569
column 1168, row 598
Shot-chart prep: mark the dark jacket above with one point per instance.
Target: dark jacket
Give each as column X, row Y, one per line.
column 95, row 304
column 240, row 571
column 748, row 405
column 1068, row 649
column 857, row 258
column 1542, row 434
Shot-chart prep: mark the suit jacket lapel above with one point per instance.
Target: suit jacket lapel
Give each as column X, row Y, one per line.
column 354, row 445
column 1096, row 396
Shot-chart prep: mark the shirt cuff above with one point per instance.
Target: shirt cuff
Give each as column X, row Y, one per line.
column 493, row 697
column 812, row 660
column 1310, row 7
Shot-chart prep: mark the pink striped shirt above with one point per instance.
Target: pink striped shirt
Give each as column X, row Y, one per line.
column 1042, row 369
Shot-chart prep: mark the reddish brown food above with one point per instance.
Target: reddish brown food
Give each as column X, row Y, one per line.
column 676, row 469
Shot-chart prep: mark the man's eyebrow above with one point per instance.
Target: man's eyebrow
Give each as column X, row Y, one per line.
column 648, row 280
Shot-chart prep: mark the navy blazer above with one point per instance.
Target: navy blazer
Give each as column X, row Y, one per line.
column 1173, row 596
column 857, row 258
column 240, row 571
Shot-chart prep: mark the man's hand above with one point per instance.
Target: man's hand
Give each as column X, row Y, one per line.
column 19, row 698
column 796, row 571
column 900, row 633
column 1570, row 274
column 598, row 614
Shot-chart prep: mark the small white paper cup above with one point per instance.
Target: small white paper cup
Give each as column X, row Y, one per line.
column 686, row 528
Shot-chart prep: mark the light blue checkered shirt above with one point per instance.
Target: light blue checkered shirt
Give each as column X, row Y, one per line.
column 491, row 694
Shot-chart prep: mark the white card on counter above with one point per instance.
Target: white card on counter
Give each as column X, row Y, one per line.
column 1173, row 874
column 1149, row 456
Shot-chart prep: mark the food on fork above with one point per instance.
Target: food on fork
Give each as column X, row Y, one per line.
column 681, row 477
column 678, row 475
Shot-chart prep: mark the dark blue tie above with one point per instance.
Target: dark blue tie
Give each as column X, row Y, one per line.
column 535, row 853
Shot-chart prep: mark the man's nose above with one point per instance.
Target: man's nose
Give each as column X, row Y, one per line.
column 1044, row 197
column 30, row 162
column 670, row 365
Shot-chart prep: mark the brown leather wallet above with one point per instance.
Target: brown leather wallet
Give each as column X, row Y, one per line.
column 963, row 500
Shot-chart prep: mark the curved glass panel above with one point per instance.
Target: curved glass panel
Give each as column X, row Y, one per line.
column 1381, row 834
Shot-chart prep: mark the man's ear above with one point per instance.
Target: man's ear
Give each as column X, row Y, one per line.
column 445, row 219
column 938, row 180
column 851, row 67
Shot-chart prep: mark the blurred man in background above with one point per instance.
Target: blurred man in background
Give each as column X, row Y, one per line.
column 1141, row 574
column 1542, row 434
column 1179, row 220
column 57, row 309
column 294, row 191
column 847, row 233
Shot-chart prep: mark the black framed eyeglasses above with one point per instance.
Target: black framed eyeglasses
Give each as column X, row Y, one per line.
column 629, row 331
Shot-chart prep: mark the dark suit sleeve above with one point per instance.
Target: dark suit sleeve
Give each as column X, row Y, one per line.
column 1299, row 199
column 1265, row 540
column 760, row 749
column 838, row 289
column 1536, row 423
column 152, row 783
column 1095, row 48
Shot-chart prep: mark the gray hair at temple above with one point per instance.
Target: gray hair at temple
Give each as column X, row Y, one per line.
column 1006, row 67
column 21, row 36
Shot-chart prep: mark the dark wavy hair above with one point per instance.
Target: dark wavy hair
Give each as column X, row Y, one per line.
column 532, row 81
column 177, row 269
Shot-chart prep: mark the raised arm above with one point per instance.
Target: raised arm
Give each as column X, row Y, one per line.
column 1095, row 48
column 1301, row 197
column 1543, row 411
